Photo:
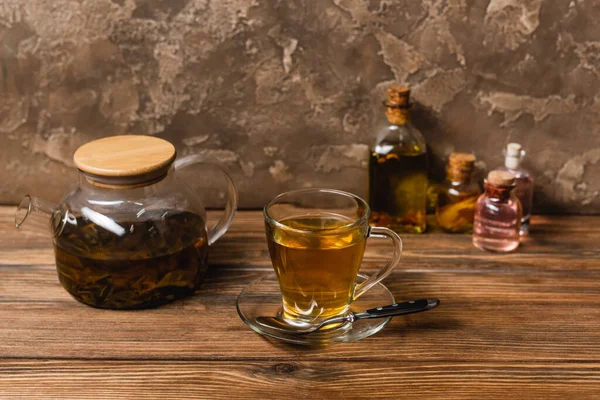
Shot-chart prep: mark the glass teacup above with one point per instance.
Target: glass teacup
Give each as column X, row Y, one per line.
column 317, row 240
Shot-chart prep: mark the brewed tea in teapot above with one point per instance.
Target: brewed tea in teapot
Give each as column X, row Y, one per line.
column 133, row 234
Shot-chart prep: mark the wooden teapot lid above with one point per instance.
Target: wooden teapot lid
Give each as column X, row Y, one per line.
column 125, row 159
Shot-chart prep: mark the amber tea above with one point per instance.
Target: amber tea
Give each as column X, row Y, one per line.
column 317, row 239
column 317, row 268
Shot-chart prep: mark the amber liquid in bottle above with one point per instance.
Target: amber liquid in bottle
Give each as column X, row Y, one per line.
column 456, row 200
column 398, row 170
column 159, row 260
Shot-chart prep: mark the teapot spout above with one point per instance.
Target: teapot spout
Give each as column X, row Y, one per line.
column 41, row 215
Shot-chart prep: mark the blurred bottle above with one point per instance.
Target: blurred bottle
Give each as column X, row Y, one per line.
column 457, row 198
column 514, row 154
column 433, row 191
column 498, row 214
column 398, row 170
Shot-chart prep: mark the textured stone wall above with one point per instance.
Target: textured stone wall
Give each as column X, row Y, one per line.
column 285, row 92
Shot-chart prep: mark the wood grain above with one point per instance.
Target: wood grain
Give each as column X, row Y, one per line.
column 501, row 317
column 556, row 243
column 385, row 379
column 125, row 155
column 525, row 325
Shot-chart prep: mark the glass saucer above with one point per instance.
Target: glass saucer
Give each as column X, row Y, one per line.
column 263, row 298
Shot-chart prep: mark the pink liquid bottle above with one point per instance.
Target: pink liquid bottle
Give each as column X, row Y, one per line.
column 514, row 154
column 498, row 214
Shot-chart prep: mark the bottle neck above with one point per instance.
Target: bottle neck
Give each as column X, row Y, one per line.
column 498, row 193
column 397, row 116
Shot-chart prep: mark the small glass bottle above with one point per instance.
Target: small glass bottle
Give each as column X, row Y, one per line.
column 398, row 170
column 456, row 200
column 514, row 154
column 498, row 214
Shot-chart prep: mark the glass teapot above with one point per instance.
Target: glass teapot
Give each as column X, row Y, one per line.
column 132, row 234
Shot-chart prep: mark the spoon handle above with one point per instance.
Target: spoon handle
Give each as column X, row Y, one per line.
column 408, row 307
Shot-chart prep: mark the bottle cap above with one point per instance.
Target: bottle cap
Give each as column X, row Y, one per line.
column 461, row 161
column 126, row 159
column 501, row 178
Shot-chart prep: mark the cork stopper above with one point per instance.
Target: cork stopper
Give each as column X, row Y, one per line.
column 461, row 161
column 501, row 178
column 513, row 150
column 396, row 107
column 125, row 160
column 398, row 96
column 513, row 154
column 460, row 166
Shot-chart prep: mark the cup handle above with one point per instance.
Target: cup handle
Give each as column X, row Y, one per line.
column 221, row 226
column 381, row 233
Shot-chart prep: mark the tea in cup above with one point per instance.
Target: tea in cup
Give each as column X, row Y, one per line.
column 317, row 240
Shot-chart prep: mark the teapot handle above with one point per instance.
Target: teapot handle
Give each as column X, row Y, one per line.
column 218, row 229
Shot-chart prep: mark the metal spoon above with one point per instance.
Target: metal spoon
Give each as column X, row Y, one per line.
column 408, row 307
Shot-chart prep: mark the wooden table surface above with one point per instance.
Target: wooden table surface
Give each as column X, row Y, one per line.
column 521, row 325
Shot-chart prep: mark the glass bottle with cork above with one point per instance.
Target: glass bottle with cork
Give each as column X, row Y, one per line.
column 513, row 156
column 457, row 198
column 398, row 169
column 498, row 214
